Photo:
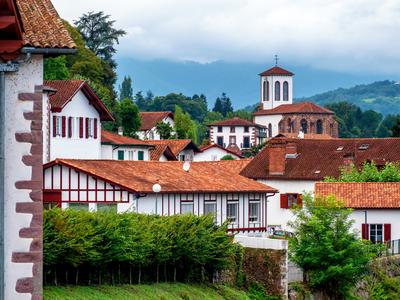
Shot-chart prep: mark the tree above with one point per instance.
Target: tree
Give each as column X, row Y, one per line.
column 129, row 117
column 125, row 89
column 55, row 68
column 396, row 128
column 332, row 257
column 164, row 130
column 223, row 105
column 184, row 126
column 227, row 157
column 99, row 34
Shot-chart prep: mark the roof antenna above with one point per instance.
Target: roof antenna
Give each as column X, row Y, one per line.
column 276, row 60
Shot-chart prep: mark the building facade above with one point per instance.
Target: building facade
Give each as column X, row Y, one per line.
column 214, row 152
column 148, row 130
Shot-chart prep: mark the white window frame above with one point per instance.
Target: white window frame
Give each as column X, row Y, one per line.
column 213, row 211
column 232, row 219
column 375, row 230
column 187, row 203
column 58, row 125
column 254, row 218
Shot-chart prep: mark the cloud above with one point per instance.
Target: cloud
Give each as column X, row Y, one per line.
column 351, row 36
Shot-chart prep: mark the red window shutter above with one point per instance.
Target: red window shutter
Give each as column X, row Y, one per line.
column 299, row 200
column 387, row 232
column 69, row 127
column 87, row 127
column 365, row 231
column 284, row 201
column 63, row 127
column 81, row 127
column 54, row 126
column 95, row 128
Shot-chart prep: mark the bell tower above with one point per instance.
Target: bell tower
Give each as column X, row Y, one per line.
column 276, row 87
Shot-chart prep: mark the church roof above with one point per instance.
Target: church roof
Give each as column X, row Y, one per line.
column 302, row 107
column 276, row 71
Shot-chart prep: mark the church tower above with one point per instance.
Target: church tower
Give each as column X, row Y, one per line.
column 276, row 87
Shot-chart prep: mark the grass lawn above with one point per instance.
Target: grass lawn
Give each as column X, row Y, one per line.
column 162, row 291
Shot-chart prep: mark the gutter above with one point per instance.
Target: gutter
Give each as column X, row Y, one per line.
column 48, row 51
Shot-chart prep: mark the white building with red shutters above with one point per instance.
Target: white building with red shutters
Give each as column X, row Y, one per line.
column 75, row 119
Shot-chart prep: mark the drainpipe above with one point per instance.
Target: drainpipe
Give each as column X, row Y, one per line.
column 7, row 67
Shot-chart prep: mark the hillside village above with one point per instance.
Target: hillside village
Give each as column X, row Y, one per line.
column 65, row 151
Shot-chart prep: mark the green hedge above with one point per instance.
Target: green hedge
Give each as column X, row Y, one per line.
column 105, row 247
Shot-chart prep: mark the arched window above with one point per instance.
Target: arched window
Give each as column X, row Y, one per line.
column 331, row 129
column 285, row 91
column 277, row 91
column 264, row 91
column 319, row 127
column 269, row 130
column 304, row 125
column 289, row 125
column 267, row 90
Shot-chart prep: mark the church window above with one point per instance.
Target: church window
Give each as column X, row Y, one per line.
column 264, row 91
column 304, row 125
column 290, row 125
column 285, row 91
column 319, row 127
column 277, row 91
column 270, row 130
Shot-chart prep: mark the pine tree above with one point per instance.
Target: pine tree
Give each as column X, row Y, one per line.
column 125, row 89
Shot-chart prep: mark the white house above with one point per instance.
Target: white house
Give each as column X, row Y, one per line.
column 182, row 150
column 376, row 207
column 29, row 31
column 116, row 146
column 214, row 152
column 148, row 130
column 200, row 188
column 293, row 166
column 236, row 132
column 280, row 115
column 75, row 119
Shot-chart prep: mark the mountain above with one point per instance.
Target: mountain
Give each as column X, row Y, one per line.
column 381, row 96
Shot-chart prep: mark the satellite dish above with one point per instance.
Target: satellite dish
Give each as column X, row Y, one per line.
column 156, row 188
column 186, row 166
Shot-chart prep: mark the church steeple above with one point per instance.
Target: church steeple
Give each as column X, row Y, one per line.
column 276, row 87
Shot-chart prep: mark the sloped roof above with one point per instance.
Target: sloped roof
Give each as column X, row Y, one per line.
column 228, row 151
column 236, row 121
column 359, row 195
column 176, row 146
column 140, row 176
column 162, row 149
column 151, row 118
column 276, row 71
column 108, row 137
column 301, row 107
column 42, row 26
column 319, row 158
column 67, row 89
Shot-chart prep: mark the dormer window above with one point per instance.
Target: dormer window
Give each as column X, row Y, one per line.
column 363, row 147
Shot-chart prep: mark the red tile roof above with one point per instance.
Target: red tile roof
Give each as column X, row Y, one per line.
column 151, row 118
column 234, row 122
column 67, row 89
column 293, row 135
column 206, row 147
column 108, row 137
column 318, row 158
column 295, row 108
column 359, row 195
column 176, row 146
column 160, row 150
column 42, row 26
column 140, row 176
column 276, row 71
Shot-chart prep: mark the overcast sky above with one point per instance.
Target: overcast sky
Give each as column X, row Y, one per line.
column 342, row 35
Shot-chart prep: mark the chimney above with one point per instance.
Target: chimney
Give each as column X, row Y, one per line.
column 120, row 130
column 276, row 159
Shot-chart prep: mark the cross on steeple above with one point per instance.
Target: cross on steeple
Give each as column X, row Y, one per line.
column 276, row 60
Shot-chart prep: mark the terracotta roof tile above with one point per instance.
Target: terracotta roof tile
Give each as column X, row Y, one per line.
column 213, row 177
column 234, row 122
column 362, row 194
column 42, row 26
column 277, row 71
column 295, row 108
column 206, row 147
column 150, row 119
column 108, row 137
column 176, row 146
column 317, row 158
column 160, row 150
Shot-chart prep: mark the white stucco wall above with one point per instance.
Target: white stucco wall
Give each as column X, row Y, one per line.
column 239, row 134
column 269, row 119
column 130, row 152
column 152, row 134
column 76, row 147
column 212, row 154
column 271, row 103
column 29, row 75
column 188, row 153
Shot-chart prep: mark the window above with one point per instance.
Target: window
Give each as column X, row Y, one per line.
column 58, row 126
column 232, row 130
column 220, row 141
column 319, row 127
column 246, row 128
column 267, row 91
column 290, row 200
column 290, row 125
column 151, row 135
column 182, row 157
column 130, row 155
column 187, row 207
column 264, row 90
column 121, row 154
column 79, row 206
column 219, row 128
column 140, row 155
column 232, row 212
column 50, row 205
column 90, row 127
column 285, row 91
column 254, row 211
column 376, row 233
column 232, row 140
column 246, row 142
column 107, row 207
column 270, row 130
column 211, row 208
column 304, row 125
column 277, row 91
